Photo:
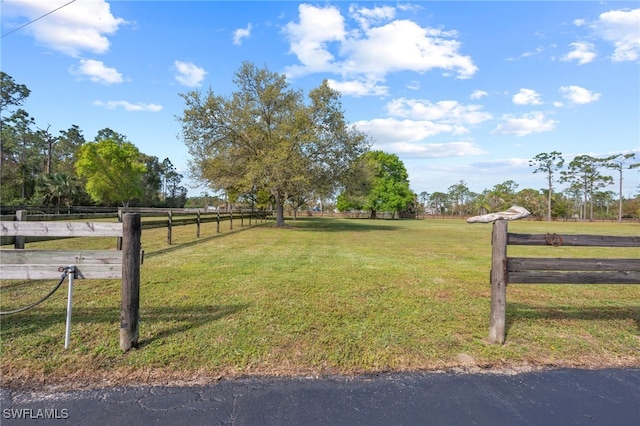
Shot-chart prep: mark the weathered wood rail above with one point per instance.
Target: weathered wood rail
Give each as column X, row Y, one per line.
column 529, row 270
column 88, row 264
column 170, row 219
column 181, row 217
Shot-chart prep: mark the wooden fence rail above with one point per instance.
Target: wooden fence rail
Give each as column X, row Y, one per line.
column 88, row 264
column 171, row 218
column 527, row 270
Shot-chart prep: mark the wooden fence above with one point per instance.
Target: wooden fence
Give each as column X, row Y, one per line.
column 182, row 217
column 150, row 220
column 94, row 264
column 527, row 270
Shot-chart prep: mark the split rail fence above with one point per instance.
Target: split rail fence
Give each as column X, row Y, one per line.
column 530, row 270
column 152, row 218
column 83, row 264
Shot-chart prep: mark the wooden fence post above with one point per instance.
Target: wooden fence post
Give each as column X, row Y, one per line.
column 169, row 223
column 21, row 216
column 218, row 221
column 119, row 239
column 241, row 219
column 498, row 281
column 231, row 220
column 198, row 224
column 130, row 292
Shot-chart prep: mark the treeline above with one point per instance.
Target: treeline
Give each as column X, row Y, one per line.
column 585, row 197
column 41, row 168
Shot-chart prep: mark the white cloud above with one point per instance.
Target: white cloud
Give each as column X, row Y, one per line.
column 526, row 124
column 414, row 85
column 309, row 38
column 579, row 95
column 412, row 121
column 240, row 34
column 433, row 150
column 367, row 17
column 502, row 163
column 477, row 94
column 622, row 28
column 378, row 46
column 128, row 106
column 358, row 88
column 391, row 130
column 75, row 28
column 538, row 51
column 97, row 72
column 583, row 52
column 189, row 74
column 405, row 46
column 443, row 111
column 526, row 97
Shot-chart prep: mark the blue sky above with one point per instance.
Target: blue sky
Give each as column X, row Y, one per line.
column 458, row 90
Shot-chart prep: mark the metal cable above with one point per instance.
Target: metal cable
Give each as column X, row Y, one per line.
column 64, row 275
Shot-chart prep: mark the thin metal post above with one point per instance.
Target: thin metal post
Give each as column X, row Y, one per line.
column 67, row 334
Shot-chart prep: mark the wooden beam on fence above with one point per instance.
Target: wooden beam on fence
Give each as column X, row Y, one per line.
column 498, row 281
column 45, row 264
column 521, row 264
column 574, row 277
column 61, row 229
column 198, row 224
column 129, row 312
column 573, row 240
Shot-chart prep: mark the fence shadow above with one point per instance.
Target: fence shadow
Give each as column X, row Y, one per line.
column 521, row 311
column 350, row 225
column 177, row 318
column 196, row 241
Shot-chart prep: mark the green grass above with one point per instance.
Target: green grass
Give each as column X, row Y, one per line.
column 325, row 296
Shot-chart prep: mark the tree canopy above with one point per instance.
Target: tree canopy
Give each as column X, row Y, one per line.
column 265, row 136
column 113, row 171
column 379, row 182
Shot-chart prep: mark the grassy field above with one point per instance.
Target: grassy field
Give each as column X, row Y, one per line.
column 323, row 296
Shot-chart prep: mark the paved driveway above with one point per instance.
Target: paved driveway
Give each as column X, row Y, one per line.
column 555, row 397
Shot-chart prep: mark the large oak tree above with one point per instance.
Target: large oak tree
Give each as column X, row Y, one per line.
column 265, row 136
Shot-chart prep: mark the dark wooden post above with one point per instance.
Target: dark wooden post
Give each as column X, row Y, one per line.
column 218, row 221
column 21, row 216
column 119, row 239
column 129, row 311
column 498, row 281
column 231, row 220
column 169, row 223
column 241, row 219
column 198, row 224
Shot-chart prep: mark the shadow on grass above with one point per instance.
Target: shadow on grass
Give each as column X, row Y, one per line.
column 178, row 246
column 178, row 319
column 517, row 312
column 342, row 225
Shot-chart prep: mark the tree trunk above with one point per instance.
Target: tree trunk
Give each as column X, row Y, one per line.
column 279, row 210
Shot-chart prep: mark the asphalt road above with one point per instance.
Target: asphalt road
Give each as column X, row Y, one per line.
column 554, row 397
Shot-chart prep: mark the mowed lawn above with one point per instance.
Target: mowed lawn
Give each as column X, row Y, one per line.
column 322, row 296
